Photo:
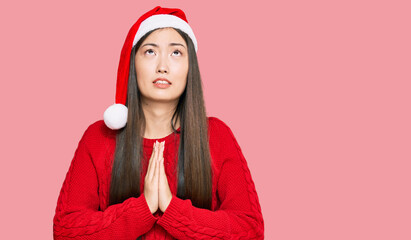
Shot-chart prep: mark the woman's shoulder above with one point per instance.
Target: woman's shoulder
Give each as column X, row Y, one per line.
column 221, row 133
column 97, row 131
column 99, row 127
column 216, row 124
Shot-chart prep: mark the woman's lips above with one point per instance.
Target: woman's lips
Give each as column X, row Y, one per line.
column 161, row 85
column 162, row 79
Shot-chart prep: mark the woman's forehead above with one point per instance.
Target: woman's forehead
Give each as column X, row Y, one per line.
column 165, row 35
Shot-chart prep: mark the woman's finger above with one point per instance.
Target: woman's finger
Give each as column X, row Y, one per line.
column 157, row 151
column 161, row 150
column 151, row 157
column 157, row 172
column 151, row 166
column 161, row 162
column 162, row 171
column 154, row 178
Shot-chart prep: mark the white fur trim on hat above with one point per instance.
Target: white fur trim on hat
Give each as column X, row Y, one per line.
column 115, row 116
column 161, row 21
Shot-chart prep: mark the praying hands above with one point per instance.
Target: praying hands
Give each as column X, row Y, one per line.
column 156, row 189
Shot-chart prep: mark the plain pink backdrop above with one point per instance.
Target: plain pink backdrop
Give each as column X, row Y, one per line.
column 317, row 94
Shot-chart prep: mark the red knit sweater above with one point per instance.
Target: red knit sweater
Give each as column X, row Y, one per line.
column 82, row 208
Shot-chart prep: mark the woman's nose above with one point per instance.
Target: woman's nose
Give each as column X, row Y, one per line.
column 162, row 66
column 162, row 70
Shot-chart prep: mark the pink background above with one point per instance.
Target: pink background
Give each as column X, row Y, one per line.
column 317, row 94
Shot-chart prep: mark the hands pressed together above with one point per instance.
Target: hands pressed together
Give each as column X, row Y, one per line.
column 156, row 189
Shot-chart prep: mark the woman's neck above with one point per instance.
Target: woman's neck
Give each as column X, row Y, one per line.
column 158, row 118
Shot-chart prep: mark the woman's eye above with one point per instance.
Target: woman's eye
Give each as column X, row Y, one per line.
column 177, row 51
column 149, row 51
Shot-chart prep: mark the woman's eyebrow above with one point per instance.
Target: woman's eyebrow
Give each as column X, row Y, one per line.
column 171, row 44
column 177, row 44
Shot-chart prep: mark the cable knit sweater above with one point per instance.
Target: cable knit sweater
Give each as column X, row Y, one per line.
column 82, row 208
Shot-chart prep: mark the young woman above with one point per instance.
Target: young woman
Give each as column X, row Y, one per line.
column 157, row 167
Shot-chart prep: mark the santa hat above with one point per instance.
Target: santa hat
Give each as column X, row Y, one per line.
column 115, row 116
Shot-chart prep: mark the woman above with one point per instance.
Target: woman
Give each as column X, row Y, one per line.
column 157, row 167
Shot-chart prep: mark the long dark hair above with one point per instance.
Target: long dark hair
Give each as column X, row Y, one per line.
column 194, row 159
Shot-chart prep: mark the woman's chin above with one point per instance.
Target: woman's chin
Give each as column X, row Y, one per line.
column 164, row 98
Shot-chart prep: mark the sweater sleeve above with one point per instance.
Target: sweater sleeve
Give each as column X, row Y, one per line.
column 239, row 215
column 78, row 215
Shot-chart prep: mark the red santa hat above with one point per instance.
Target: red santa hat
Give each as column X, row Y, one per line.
column 115, row 116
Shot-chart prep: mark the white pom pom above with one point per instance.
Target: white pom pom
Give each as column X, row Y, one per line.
column 115, row 116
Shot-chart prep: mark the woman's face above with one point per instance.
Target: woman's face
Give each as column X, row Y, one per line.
column 163, row 54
